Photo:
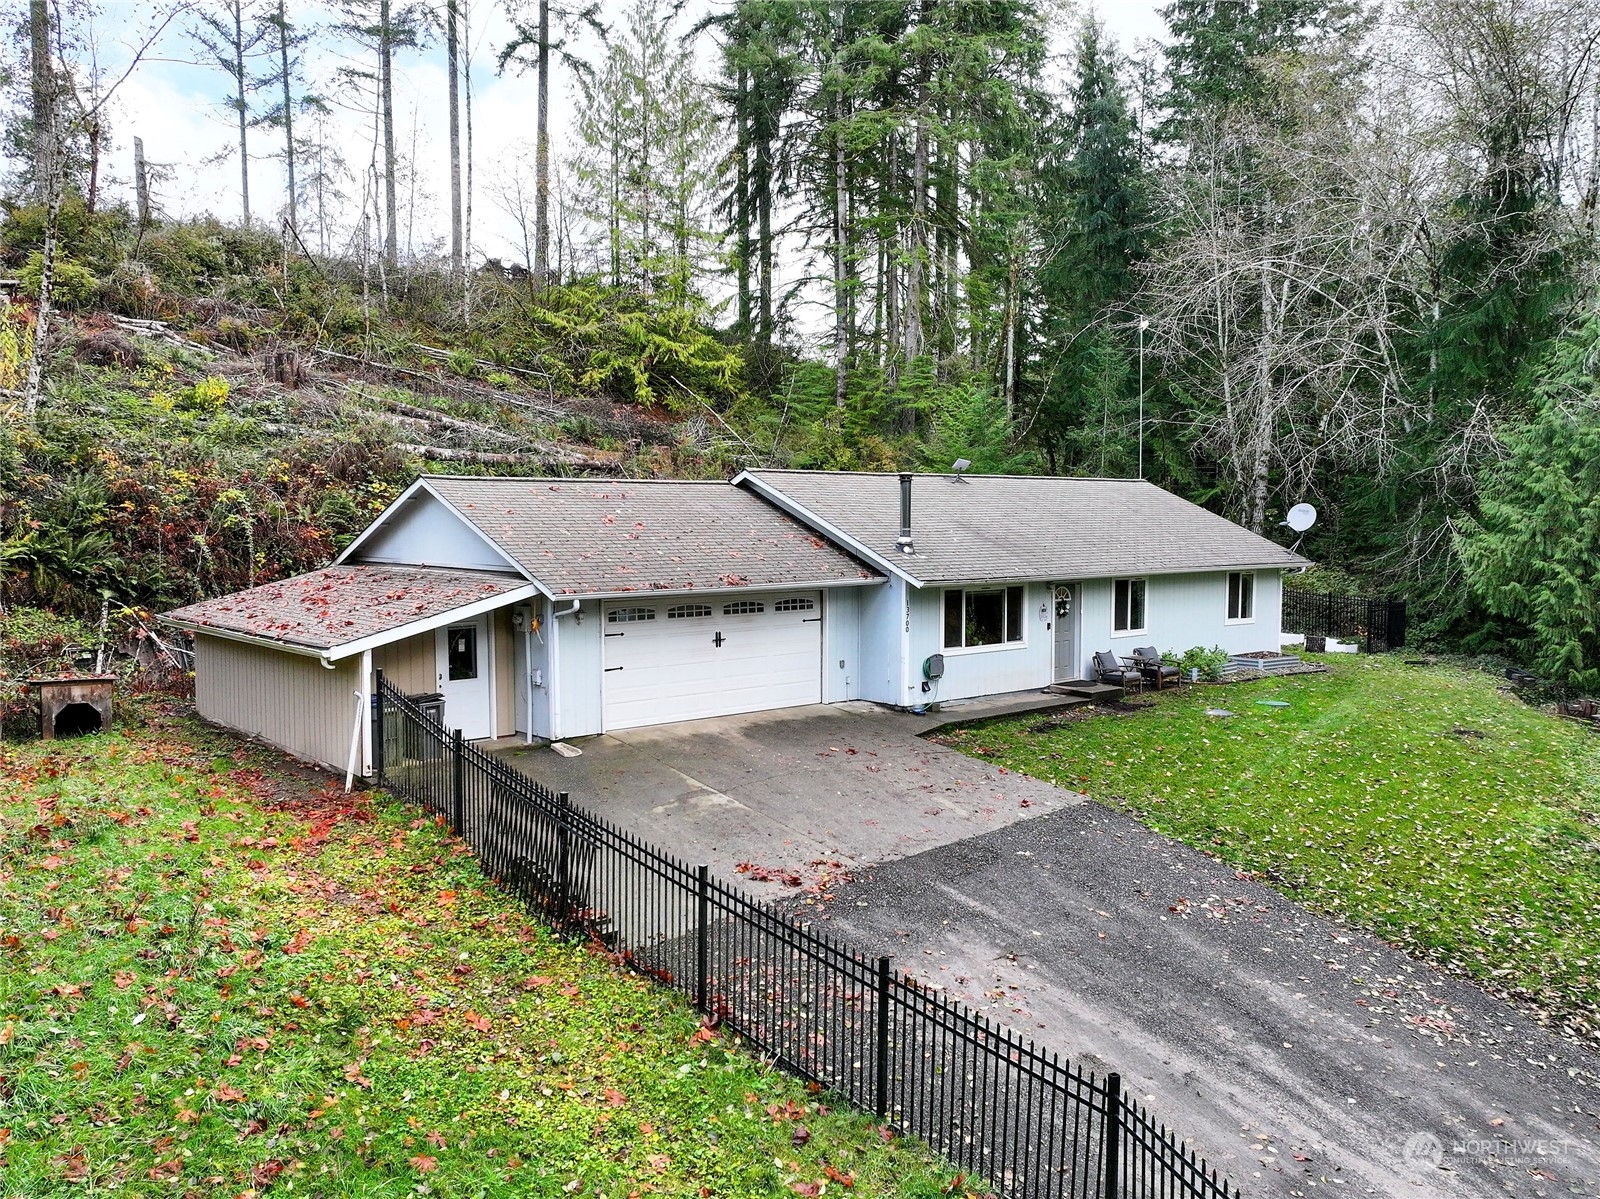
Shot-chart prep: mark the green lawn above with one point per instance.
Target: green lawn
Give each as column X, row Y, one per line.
column 1421, row 802
column 221, row 977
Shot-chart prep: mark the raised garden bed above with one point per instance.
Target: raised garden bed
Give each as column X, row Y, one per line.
column 1265, row 659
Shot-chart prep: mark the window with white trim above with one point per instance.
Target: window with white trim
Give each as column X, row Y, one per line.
column 974, row 618
column 794, row 605
column 628, row 615
column 1242, row 595
column 743, row 608
column 1128, row 606
column 688, row 611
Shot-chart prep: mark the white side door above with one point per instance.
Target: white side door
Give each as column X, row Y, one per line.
column 463, row 655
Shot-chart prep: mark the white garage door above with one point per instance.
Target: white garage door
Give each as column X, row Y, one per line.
column 683, row 659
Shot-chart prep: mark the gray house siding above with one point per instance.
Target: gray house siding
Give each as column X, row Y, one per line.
column 991, row 670
column 423, row 532
column 1184, row 611
column 291, row 700
column 841, row 647
column 576, row 666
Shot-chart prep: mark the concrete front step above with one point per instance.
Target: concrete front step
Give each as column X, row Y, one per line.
column 1087, row 690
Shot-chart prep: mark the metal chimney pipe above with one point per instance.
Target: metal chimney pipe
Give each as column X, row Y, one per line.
column 903, row 542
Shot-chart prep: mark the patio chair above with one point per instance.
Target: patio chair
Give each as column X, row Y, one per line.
column 1108, row 668
column 1148, row 660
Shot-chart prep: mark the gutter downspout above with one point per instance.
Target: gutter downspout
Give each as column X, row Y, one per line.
column 553, row 664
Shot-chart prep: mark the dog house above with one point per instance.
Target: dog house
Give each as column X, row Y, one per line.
column 74, row 707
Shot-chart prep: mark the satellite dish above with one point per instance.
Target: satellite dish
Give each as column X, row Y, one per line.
column 960, row 467
column 1301, row 517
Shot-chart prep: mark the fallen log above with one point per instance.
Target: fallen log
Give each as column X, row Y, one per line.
column 597, row 460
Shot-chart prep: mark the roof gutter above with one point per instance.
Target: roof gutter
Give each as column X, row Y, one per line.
column 329, row 655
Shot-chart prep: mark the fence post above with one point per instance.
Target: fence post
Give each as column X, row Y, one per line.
column 1327, row 620
column 702, row 881
column 881, row 1073
column 563, row 857
column 377, row 727
column 1397, row 623
column 457, row 781
column 1111, row 1135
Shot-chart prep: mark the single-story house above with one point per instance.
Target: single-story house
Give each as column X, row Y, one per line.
column 559, row 608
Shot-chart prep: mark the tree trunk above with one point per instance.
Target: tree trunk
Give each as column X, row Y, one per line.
column 541, row 157
column 454, row 67
column 741, row 200
column 915, row 336
column 391, row 207
column 243, row 111
column 466, row 199
column 141, row 184
column 44, row 100
column 93, row 198
column 41, row 326
column 288, row 114
column 841, row 283
column 764, row 237
column 1261, row 435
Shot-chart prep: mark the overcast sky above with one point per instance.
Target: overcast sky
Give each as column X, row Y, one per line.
column 176, row 108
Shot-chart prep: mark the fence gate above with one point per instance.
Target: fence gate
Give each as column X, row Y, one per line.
column 1379, row 623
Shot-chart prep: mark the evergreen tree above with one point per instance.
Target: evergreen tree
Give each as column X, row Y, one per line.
column 1533, row 556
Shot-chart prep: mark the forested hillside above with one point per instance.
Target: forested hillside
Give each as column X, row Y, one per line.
column 1298, row 251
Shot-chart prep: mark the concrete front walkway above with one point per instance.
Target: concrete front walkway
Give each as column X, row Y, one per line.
column 805, row 792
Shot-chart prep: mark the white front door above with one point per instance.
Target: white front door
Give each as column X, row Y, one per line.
column 463, row 656
column 685, row 659
column 1064, row 617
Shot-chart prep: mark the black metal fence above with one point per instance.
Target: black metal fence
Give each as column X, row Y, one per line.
column 1380, row 623
column 990, row 1101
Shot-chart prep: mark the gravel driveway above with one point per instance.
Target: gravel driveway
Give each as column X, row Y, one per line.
column 1300, row 1056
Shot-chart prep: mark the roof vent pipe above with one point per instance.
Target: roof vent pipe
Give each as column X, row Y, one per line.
column 903, row 542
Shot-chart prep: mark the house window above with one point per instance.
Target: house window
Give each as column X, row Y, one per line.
column 1127, row 606
column 794, row 605
column 1242, row 595
column 627, row 615
column 688, row 611
column 743, row 608
column 977, row 618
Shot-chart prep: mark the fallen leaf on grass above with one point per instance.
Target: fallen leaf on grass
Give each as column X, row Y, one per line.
column 423, row 1164
column 298, row 942
column 473, row 1020
column 227, row 1093
column 535, row 982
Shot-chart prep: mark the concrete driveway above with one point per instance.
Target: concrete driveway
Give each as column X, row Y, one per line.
column 805, row 794
column 1299, row 1056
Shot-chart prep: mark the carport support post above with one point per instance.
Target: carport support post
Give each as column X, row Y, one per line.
column 880, row 1089
column 377, row 726
column 702, row 897
column 457, row 781
column 563, row 857
column 1111, row 1135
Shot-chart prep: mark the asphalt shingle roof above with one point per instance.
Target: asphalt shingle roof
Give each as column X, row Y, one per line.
column 340, row 604
column 993, row 527
column 585, row 537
